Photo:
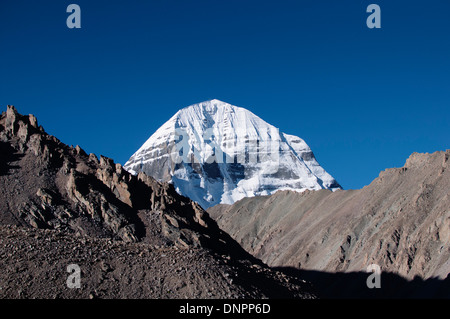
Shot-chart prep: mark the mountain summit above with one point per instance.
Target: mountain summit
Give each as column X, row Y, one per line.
column 215, row 152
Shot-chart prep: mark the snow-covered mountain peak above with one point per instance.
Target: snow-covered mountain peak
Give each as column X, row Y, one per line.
column 215, row 152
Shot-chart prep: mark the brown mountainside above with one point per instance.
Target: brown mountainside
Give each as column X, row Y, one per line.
column 401, row 221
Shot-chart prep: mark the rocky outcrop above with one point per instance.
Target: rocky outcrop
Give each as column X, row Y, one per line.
column 401, row 221
column 50, row 185
column 47, row 184
column 132, row 236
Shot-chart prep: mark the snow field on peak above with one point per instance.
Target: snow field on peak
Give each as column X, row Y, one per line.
column 214, row 152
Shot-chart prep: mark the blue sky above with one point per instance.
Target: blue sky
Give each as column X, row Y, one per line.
column 363, row 99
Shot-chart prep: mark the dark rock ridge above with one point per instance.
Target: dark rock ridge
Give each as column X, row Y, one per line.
column 47, row 184
column 60, row 205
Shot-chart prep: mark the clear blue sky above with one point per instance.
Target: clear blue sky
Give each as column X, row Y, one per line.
column 363, row 99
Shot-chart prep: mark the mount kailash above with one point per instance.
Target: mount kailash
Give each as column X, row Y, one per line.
column 217, row 153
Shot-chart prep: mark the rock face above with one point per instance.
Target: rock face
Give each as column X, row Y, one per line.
column 214, row 152
column 46, row 184
column 401, row 221
column 60, row 205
